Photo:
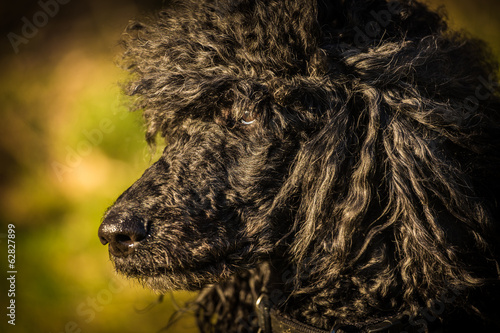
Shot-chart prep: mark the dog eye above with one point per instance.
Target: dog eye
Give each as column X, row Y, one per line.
column 247, row 118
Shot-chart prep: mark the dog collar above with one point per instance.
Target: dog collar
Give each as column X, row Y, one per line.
column 272, row 321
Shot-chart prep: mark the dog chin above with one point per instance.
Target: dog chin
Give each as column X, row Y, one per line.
column 163, row 279
column 163, row 284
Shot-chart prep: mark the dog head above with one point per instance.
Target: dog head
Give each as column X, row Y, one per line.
column 289, row 136
column 226, row 93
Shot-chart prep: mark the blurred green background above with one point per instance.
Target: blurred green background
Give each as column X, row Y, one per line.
column 68, row 148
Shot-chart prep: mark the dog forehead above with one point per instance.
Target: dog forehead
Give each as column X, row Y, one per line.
column 250, row 37
column 201, row 57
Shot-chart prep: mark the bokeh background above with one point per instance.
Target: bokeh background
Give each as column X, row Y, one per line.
column 69, row 147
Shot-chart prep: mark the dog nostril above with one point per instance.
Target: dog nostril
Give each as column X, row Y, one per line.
column 123, row 234
column 125, row 240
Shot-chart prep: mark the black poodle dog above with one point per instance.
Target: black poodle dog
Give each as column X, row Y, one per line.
column 330, row 166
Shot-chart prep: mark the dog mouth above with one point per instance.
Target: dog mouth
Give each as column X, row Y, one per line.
column 166, row 274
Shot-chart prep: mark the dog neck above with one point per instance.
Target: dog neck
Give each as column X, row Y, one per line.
column 277, row 312
column 272, row 321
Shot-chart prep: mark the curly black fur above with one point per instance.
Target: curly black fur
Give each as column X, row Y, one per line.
column 341, row 154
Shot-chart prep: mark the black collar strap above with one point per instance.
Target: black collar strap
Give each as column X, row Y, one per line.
column 272, row 321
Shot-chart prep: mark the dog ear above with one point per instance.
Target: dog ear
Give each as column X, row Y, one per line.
column 384, row 186
column 333, row 178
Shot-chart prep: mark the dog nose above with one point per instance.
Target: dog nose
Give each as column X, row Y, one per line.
column 122, row 233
